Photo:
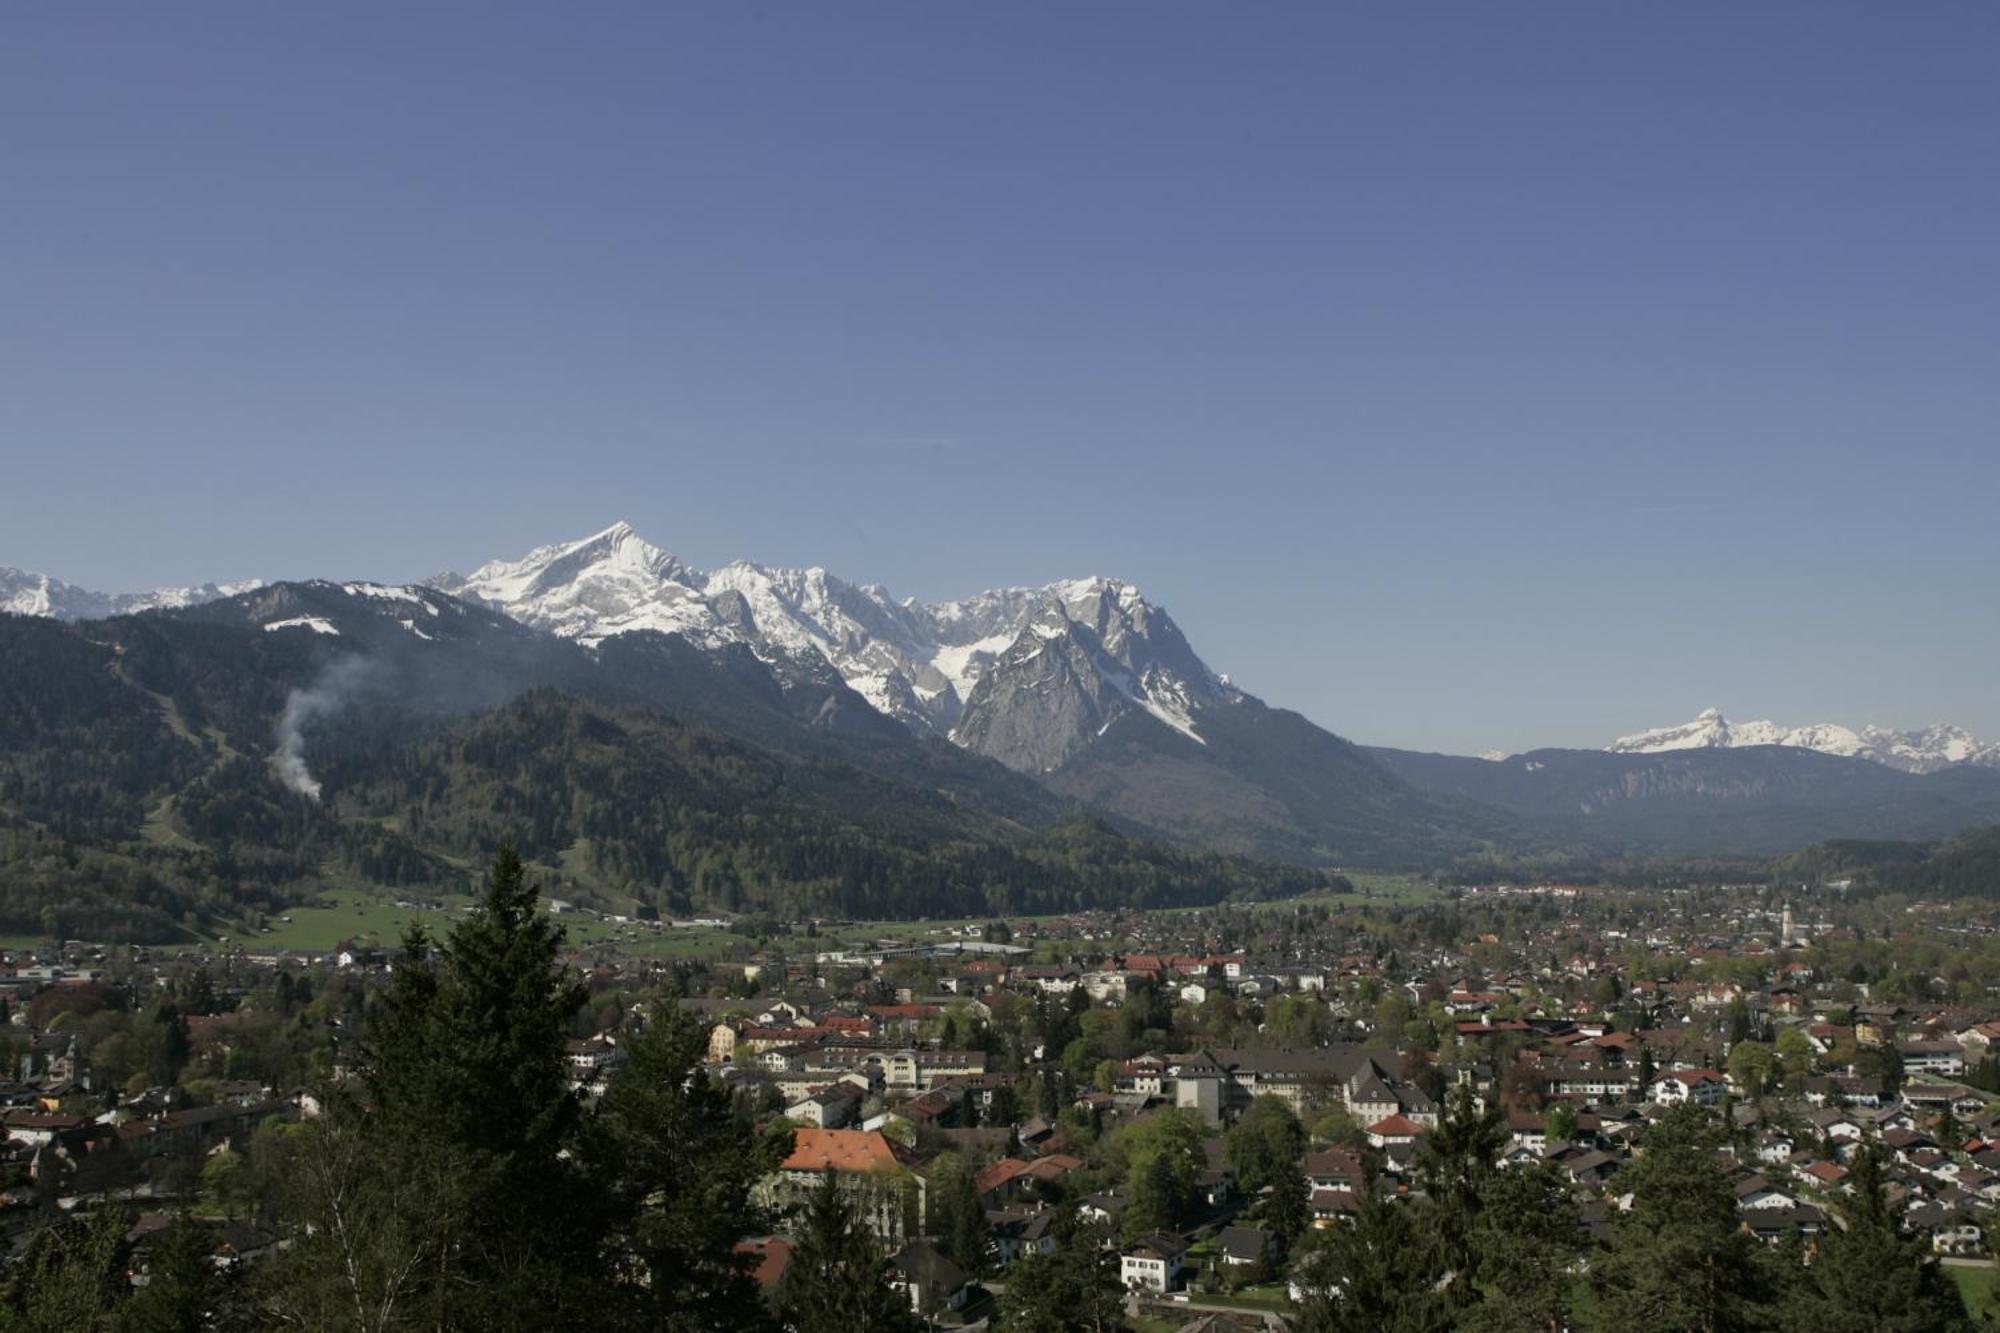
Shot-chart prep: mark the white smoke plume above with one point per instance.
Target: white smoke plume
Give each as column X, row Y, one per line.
column 335, row 686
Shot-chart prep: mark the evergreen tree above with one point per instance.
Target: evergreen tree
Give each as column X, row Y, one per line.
column 1373, row 1274
column 1074, row 1290
column 1155, row 1200
column 956, row 1217
column 1163, row 1155
column 1680, row 1261
column 1265, row 1142
column 1874, row 1276
column 1455, row 1164
column 679, row 1162
column 465, row 1161
column 1529, row 1239
column 838, row 1281
column 183, row 1290
column 1289, row 1208
column 968, row 1236
column 70, row 1278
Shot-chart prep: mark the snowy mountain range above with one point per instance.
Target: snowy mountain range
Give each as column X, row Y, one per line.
column 26, row 594
column 1926, row 751
column 1034, row 677
column 1026, row 675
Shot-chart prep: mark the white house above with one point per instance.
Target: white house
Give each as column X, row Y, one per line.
column 1154, row 1263
column 1704, row 1087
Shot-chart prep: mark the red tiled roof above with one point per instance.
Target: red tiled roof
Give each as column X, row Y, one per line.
column 774, row 1256
column 998, row 1174
column 842, row 1150
column 1054, row 1166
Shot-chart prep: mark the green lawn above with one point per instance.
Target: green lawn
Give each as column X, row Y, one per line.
column 1975, row 1287
column 691, row 942
column 1269, row 1296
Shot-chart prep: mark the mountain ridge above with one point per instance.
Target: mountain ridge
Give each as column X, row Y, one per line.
column 917, row 662
column 1083, row 684
column 1928, row 750
column 1746, row 800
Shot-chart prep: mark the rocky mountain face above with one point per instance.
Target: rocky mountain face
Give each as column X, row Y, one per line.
column 1028, row 676
column 1927, row 751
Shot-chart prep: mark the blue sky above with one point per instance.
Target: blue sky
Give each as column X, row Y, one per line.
column 1465, row 377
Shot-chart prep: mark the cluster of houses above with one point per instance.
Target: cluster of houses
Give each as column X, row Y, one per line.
column 65, row 1138
column 1578, row 1081
column 1579, row 1028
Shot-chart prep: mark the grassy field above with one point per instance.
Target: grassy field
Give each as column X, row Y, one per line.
column 1371, row 889
column 374, row 920
column 1374, row 888
column 371, row 919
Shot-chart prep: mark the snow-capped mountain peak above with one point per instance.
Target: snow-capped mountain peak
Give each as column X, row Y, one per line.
column 917, row 662
column 1926, row 751
column 603, row 584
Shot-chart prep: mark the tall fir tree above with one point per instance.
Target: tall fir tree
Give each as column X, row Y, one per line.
column 1530, row 1239
column 1075, row 1289
column 184, row 1291
column 457, row 1195
column 1874, row 1275
column 956, row 1218
column 1680, row 1260
column 69, row 1279
column 839, row 1278
column 679, row 1163
column 1454, row 1166
column 1373, row 1274
column 1288, row 1210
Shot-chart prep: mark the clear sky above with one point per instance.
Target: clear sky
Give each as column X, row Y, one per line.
column 1463, row 376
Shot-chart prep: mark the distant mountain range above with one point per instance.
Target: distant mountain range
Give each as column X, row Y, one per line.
column 26, row 594
column 1935, row 747
column 1084, row 688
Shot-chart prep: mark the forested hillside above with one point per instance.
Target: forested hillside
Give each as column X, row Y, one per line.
column 1967, row 867
column 144, row 781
